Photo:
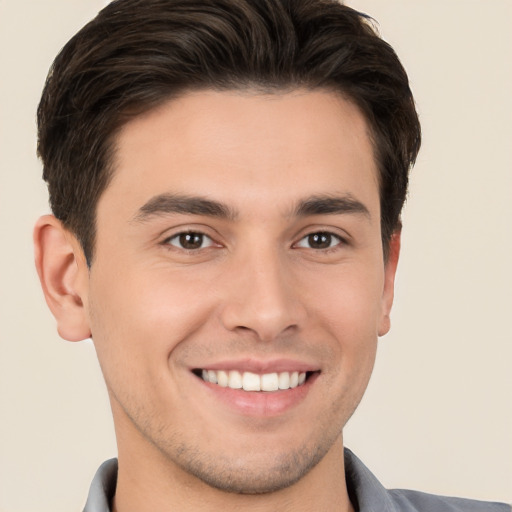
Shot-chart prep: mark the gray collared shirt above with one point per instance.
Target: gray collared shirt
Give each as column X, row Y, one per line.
column 366, row 493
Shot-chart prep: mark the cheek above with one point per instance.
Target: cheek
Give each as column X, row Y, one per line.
column 347, row 310
column 138, row 318
column 349, row 300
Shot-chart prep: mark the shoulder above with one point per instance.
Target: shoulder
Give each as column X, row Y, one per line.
column 415, row 501
column 369, row 495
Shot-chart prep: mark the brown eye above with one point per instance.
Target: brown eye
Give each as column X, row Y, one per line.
column 190, row 241
column 319, row 240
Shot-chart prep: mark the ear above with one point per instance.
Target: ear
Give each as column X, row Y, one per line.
column 63, row 273
column 389, row 283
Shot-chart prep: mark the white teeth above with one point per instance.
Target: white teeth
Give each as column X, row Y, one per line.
column 284, row 380
column 269, row 382
column 235, row 380
column 222, row 379
column 249, row 381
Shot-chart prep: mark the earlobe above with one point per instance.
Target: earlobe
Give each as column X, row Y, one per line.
column 389, row 283
column 63, row 274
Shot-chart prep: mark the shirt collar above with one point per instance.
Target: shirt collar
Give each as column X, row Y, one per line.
column 103, row 488
column 366, row 493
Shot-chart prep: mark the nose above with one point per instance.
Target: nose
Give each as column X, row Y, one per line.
column 262, row 297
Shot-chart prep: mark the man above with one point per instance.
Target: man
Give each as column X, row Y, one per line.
column 226, row 180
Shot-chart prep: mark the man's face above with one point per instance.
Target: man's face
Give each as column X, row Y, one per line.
column 240, row 235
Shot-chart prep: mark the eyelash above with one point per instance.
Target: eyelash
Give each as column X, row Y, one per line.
column 322, row 237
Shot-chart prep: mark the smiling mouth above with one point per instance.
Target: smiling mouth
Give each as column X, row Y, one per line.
column 248, row 381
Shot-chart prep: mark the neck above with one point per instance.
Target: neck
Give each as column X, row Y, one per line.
column 147, row 483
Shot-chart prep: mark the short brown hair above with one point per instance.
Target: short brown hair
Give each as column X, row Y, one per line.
column 137, row 54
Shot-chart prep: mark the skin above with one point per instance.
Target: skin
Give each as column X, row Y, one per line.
column 256, row 289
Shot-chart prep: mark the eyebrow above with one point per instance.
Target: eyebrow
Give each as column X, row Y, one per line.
column 192, row 205
column 164, row 204
column 331, row 205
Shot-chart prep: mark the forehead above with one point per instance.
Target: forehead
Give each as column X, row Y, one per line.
column 241, row 147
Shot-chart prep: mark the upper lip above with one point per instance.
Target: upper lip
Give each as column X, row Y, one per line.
column 260, row 366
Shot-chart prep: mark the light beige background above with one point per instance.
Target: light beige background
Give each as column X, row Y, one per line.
column 438, row 413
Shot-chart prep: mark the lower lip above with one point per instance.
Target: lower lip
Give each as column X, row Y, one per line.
column 261, row 403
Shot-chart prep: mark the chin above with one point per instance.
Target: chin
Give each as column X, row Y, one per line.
column 265, row 473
